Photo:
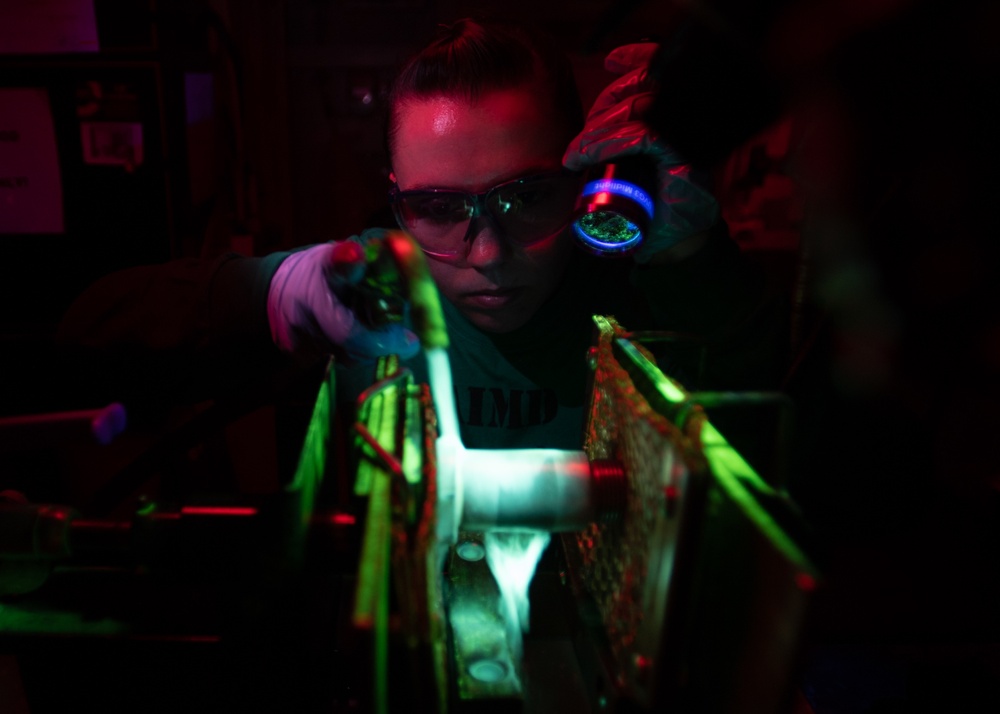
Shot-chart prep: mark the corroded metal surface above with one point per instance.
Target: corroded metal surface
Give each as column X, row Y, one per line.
column 627, row 567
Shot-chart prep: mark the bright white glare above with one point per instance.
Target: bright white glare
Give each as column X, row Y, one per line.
column 513, row 557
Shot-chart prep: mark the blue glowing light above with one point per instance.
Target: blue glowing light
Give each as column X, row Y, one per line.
column 609, row 246
column 621, row 188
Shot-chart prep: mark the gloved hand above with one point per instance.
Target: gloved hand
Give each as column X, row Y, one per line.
column 307, row 316
column 614, row 129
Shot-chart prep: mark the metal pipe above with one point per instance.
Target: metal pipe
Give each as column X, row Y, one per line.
column 533, row 489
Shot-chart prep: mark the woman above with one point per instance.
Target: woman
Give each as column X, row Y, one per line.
column 485, row 127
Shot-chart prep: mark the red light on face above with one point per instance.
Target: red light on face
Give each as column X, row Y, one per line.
column 218, row 511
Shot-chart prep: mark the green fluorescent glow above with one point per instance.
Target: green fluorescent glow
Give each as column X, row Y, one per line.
column 373, row 567
column 380, row 419
column 146, row 509
column 364, row 478
column 413, row 441
column 371, row 607
column 731, row 471
column 15, row 619
column 666, row 387
column 371, row 604
column 377, row 418
column 312, row 459
column 311, row 467
column 607, row 227
column 736, row 476
column 425, row 302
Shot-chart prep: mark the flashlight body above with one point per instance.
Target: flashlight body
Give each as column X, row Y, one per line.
column 615, row 207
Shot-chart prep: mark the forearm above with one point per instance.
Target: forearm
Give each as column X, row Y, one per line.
column 185, row 304
column 190, row 325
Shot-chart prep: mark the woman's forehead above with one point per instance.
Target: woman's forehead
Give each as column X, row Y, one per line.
column 461, row 142
column 523, row 101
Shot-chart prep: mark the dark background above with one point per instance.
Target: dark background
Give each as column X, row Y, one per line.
column 854, row 149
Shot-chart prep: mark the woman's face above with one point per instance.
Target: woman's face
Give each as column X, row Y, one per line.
column 450, row 143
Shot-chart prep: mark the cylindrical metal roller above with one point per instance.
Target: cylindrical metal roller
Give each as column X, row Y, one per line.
column 537, row 489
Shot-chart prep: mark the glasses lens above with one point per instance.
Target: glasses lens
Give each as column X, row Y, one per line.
column 437, row 220
column 529, row 210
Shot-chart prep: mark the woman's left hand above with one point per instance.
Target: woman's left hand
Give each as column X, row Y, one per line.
column 614, row 129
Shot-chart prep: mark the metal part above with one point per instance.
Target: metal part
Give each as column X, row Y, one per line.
column 750, row 400
column 375, row 293
column 471, row 550
column 528, row 489
column 684, row 565
column 539, row 489
column 609, row 489
column 535, row 489
column 699, row 589
column 632, row 570
column 488, row 671
column 365, row 405
column 396, row 432
column 31, row 431
column 484, row 667
column 32, row 538
column 33, row 531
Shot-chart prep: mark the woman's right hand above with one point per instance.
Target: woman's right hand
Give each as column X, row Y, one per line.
column 306, row 315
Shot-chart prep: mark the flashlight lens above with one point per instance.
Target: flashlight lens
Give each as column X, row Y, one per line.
column 615, row 207
column 607, row 231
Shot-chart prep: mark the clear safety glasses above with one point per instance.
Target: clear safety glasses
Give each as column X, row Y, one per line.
column 526, row 210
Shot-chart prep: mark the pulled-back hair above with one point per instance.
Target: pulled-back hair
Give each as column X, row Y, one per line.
column 474, row 56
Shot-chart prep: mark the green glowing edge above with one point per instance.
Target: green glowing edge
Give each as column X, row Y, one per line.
column 730, row 469
column 371, row 601
column 312, row 459
column 736, row 476
column 15, row 619
column 425, row 302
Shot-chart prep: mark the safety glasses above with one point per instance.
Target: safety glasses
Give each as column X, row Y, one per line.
column 526, row 210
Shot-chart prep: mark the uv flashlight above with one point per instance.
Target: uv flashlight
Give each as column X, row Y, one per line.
column 615, row 207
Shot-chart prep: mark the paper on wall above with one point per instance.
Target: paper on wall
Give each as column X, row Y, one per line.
column 31, row 197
